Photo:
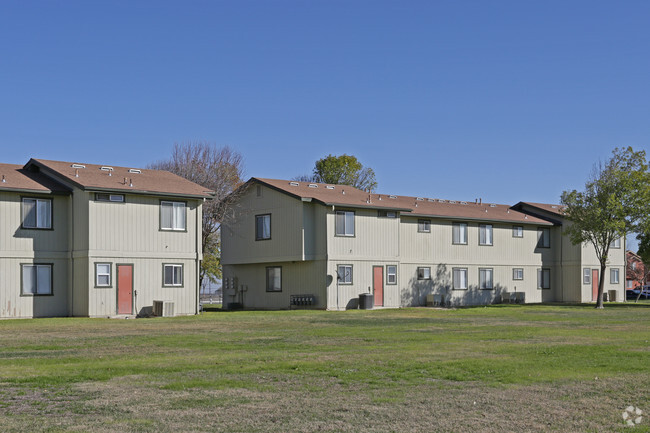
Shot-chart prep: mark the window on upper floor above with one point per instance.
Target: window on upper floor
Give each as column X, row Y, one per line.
column 116, row 198
column 517, row 232
column 616, row 243
column 517, row 273
column 543, row 278
column 459, row 233
column 424, row 273
column 263, row 227
column 485, row 278
column 344, row 223
column 274, row 278
column 485, row 234
column 424, row 226
column 37, row 213
column 613, row 276
column 172, row 215
column 543, row 237
column 36, row 279
column 172, row 275
column 387, row 214
column 459, row 277
column 391, row 274
column 344, row 274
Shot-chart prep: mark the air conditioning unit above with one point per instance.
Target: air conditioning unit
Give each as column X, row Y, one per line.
column 163, row 308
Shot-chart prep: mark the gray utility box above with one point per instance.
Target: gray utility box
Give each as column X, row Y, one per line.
column 366, row 301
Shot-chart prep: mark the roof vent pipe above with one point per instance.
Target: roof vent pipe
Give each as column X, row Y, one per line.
column 131, row 183
column 343, row 192
column 76, row 172
column 3, row 179
column 480, row 201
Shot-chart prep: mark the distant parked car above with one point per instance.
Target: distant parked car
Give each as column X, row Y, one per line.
column 634, row 293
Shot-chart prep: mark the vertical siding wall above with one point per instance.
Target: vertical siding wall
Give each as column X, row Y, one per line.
column 27, row 246
column 298, row 278
column 129, row 233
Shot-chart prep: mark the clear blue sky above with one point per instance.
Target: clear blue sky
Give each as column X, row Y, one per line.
column 503, row 100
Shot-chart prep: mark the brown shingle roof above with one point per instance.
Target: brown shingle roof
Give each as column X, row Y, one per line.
column 416, row 206
column 92, row 177
column 15, row 178
column 552, row 208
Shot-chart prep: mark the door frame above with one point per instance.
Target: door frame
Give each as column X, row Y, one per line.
column 374, row 289
column 117, row 287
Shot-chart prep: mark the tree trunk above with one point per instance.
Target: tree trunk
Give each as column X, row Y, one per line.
column 601, row 285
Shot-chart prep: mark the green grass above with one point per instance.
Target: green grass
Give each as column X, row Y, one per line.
column 573, row 368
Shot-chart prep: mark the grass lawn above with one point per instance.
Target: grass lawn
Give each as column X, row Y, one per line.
column 494, row 369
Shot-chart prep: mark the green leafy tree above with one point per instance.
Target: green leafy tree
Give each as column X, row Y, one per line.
column 342, row 170
column 218, row 169
column 611, row 205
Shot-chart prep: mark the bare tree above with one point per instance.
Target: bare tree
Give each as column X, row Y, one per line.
column 218, row 169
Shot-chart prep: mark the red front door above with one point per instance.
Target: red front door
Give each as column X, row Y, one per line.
column 594, row 284
column 124, row 289
column 378, row 284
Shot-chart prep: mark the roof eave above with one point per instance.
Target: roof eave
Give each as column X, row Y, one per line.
column 461, row 218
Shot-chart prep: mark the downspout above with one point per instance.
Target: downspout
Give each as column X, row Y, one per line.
column 71, row 248
column 199, row 231
column 562, row 260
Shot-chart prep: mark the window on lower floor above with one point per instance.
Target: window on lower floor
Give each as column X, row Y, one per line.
column 172, row 275
column 424, row 273
column 518, row 273
column 37, row 279
column 391, row 274
column 630, row 284
column 102, row 275
column 543, row 278
column 586, row 276
column 459, row 277
column 344, row 274
column 613, row 276
column 274, row 279
column 485, row 276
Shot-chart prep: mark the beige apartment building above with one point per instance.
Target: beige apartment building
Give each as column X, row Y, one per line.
column 97, row 241
column 323, row 245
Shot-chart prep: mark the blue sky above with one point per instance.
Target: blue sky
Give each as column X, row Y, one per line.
column 503, row 100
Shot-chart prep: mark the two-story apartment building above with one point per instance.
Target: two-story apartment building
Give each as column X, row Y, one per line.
column 97, row 241
column 336, row 242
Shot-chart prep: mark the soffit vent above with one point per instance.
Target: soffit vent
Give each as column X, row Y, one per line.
column 442, row 201
column 106, row 168
column 419, row 199
column 493, row 205
column 313, row 185
column 78, row 166
column 452, row 201
column 392, row 196
column 329, row 187
column 431, row 200
column 463, row 202
column 135, row 170
column 294, row 183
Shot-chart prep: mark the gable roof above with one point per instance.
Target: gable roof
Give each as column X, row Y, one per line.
column 552, row 208
column 347, row 196
column 93, row 177
column 15, row 178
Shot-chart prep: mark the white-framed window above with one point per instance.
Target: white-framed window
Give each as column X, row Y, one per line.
column 485, row 278
column 629, row 284
column 459, row 277
column 102, row 275
column 543, row 237
column 387, row 214
column 485, row 234
column 263, row 227
column 172, row 215
column 36, row 279
column 424, row 273
column 616, row 243
column 344, row 274
column 424, row 226
column 172, row 275
column 614, row 276
column 459, row 233
column 586, row 276
column 37, row 213
column 344, row 223
column 517, row 231
column 391, row 274
column 517, row 273
column 274, row 278
column 543, row 278
column 116, row 198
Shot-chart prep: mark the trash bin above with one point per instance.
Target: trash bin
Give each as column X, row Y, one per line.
column 366, row 301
